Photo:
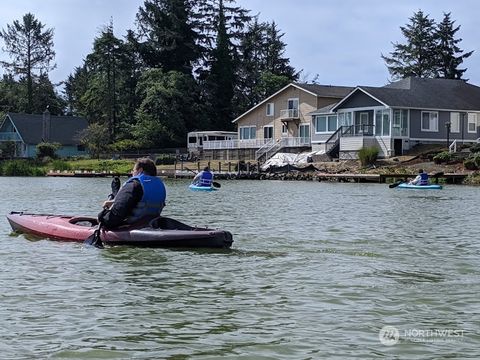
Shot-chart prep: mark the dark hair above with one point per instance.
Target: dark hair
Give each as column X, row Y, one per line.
column 147, row 165
column 206, row 168
column 420, row 171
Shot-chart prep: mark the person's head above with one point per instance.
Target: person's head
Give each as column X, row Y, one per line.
column 206, row 168
column 420, row 171
column 146, row 166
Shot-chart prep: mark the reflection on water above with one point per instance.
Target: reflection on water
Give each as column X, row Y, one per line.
column 316, row 270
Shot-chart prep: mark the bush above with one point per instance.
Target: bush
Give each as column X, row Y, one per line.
column 21, row 168
column 443, row 157
column 47, row 149
column 475, row 148
column 368, row 155
column 472, row 162
column 60, row 165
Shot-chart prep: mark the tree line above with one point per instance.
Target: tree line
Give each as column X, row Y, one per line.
column 188, row 65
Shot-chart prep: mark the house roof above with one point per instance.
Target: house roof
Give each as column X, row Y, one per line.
column 325, row 110
column 63, row 129
column 441, row 94
column 314, row 89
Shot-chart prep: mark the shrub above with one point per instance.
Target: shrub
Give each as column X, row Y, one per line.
column 475, row 148
column 61, row 165
column 47, row 149
column 368, row 155
column 443, row 157
column 472, row 162
column 21, row 168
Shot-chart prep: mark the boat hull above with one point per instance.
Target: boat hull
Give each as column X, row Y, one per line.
column 160, row 232
column 201, row 188
column 420, row 187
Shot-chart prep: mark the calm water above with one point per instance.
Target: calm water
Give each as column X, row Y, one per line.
column 316, row 270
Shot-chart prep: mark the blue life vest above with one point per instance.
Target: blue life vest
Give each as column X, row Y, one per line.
column 423, row 179
column 206, row 178
column 153, row 200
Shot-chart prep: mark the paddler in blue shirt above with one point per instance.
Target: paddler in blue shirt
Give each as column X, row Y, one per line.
column 421, row 179
column 203, row 178
column 140, row 199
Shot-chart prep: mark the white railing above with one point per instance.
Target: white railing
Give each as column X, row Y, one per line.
column 289, row 114
column 295, row 141
column 234, row 144
column 453, row 146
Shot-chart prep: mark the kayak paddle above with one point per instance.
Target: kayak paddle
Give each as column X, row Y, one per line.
column 394, row 185
column 94, row 239
column 214, row 183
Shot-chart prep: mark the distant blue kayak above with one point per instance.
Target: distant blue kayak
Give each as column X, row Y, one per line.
column 201, row 188
column 419, row 187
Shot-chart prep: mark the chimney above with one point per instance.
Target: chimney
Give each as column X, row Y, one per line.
column 46, row 125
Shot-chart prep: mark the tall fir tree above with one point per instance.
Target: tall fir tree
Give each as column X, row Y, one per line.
column 169, row 40
column 31, row 48
column 418, row 56
column 221, row 28
column 449, row 55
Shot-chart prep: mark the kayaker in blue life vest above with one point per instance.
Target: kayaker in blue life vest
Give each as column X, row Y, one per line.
column 141, row 198
column 203, row 178
column 421, row 179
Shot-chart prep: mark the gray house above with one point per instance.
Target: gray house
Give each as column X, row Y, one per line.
column 398, row 116
column 28, row 130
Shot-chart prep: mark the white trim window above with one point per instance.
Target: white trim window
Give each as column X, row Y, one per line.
column 454, row 122
column 247, row 132
column 382, row 122
column 345, row 119
column 284, row 129
column 268, row 132
column 400, row 122
column 429, row 121
column 270, row 109
column 325, row 124
column 472, row 123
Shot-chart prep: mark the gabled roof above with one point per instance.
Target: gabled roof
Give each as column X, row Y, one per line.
column 63, row 129
column 313, row 89
column 419, row 93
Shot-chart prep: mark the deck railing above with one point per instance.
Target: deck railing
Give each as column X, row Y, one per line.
column 289, row 114
column 234, row 144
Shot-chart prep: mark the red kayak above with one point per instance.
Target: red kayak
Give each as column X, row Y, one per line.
column 160, row 232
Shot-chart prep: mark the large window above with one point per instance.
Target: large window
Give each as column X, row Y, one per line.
column 247, row 132
column 455, row 122
column 429, row 121
column 284, row 129
column 382, row 122
column 268, row 132
column 305, row 133
column 472, row 122
column 400, row 123
column 345, row 119
column 270, row 109
column 325, row 123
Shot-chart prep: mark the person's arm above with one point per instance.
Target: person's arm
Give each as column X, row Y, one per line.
column 416, row 180
column 197, row 177
column 125, row 201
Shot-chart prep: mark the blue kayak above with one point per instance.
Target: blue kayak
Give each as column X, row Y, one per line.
column 201, row 188
column 420, row 187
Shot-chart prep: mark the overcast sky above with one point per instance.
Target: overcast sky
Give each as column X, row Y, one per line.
column 340, row 40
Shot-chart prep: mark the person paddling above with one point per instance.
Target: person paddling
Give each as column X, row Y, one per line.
column 421, row 179
column 203, row 178
column 141, row 198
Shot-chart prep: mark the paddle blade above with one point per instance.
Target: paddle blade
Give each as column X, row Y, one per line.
column 216, row 184
column 94, row 240
column 394, row 185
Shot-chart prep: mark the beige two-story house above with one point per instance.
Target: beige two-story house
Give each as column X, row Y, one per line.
column 282, row 122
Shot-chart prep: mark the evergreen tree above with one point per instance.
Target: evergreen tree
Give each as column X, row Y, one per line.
column 31, row 49
column 449, row 55
column 221, row 28
column 170, row 41
column 263, row 69
column 418, row 56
